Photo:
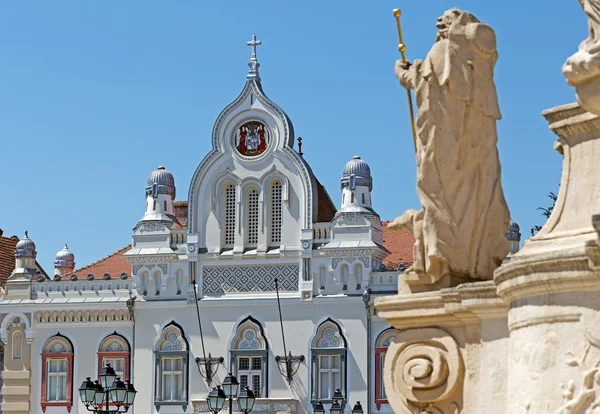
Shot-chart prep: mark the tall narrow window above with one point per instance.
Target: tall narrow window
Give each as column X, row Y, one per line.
column 345, row 271
column 252, row 216
column 352, row 198
column 358, row 274
column 154, row 205
column 381, row 346
column 17, row 345
column 363, row 198
column 114, row 350
column 322, row 277
column 249, row 357
column 328, row 351
column 171, row 364
column 57, row 373
column 276, row 212
column 165, row 205
column 229, row 215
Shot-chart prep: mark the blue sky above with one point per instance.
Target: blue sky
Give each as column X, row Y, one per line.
column 95, row 94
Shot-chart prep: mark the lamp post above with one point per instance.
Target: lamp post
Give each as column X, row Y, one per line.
column 337, row 406
column 216, row 398
column 109, row 389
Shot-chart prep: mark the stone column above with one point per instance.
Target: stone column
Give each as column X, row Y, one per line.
column 552, row 288
column 16, row 376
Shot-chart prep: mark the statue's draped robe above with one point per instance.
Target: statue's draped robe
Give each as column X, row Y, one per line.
column 461, row 229
column 592, row 10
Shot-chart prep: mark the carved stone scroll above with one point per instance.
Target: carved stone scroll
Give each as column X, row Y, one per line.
column 424, row 372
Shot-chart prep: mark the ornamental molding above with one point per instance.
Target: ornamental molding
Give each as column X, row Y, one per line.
column 148, row 260
column 151, row 226
column 88, row 316
column 16, row 321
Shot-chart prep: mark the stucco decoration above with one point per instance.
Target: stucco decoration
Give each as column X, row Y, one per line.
column 385, row 338
column 461, row 228
column 423, row 372
column 248, row 335
column 114, row 343
column 58, row 344
column 582, row 70
column 329, row 335
column 171, row 339
column 219, row 280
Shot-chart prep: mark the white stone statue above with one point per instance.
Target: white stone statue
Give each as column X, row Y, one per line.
column 461, row 229
column 582, row 70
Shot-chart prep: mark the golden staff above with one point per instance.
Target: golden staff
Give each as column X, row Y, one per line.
column 402, row 49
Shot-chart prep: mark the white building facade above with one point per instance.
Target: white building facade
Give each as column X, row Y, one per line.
column 201, row 280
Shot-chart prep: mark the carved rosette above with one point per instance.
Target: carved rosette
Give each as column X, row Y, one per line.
column 424, row 372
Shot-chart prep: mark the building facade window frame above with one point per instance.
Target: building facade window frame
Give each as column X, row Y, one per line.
column 250, row 344
column 171, row 346
column 17, row 345
column 229, row 213
column 252, row 215
column 328, row 344
column 115, row 347
column 57, row 348
column 275, row 212
column 383, row 341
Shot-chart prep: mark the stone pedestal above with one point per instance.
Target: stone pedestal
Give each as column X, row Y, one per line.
column 552, row 289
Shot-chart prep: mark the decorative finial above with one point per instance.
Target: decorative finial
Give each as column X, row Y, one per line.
column 300, row 146
column 66, row 247
column 253, row 65
column 26, row 236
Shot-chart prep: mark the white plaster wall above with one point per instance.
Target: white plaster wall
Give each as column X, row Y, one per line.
column 219, row 321
column 86, row 338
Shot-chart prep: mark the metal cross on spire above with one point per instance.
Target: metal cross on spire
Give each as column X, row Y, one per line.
column 253, row 65
column 253, row 43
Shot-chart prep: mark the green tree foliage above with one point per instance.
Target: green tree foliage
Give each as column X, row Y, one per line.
column 546, row 212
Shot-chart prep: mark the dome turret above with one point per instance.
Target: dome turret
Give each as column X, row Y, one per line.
column 25, row 248
column 65, row 259
column 163, row 181
column 513, row 233
column 357, row 173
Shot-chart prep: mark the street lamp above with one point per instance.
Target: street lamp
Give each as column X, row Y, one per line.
column 109, row 389
column 357, row 408
column 319, row 409
column 216, row 398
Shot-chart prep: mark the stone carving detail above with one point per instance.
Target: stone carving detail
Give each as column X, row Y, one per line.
column 163, row 267
column 218, row 280
column 136, row 268
column 582, row 70
column 584, row 398
column 248, row 335
column 307, row 295
column 114, row 343
column 171, row 339
column 365, row 261
column 424, row 372
column 335, row 262
column 461, row 228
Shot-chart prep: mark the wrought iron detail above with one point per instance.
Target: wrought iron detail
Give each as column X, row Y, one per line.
column 289, row 365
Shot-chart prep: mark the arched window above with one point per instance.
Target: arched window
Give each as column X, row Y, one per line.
column 345, row 270
column 381, row 346
column 322, row 277
column 276, row 211
column 328, row 361
column 17, row 345
column 114, row 350
column 144, row 282
column 157, row 282
column 165, row 206
column 252, row 216
column 229, row 215
column 57, row 373
column 358, row 273
column 171, row 354
column 352, row 198
column 154, row 205
column 249, row 351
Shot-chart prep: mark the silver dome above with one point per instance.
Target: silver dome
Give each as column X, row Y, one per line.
column 162, row 180
column 65, row 259
column 513, row 233
column 25, row 247
column 361, row 172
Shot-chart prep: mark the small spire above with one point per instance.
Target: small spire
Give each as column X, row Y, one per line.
column 300, row 146
column 253, row 65
column 26, row 236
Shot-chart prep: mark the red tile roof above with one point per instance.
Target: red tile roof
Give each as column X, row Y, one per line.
column 113, row 264
column 7, row 256
column 326, row 209
column 400, row 244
